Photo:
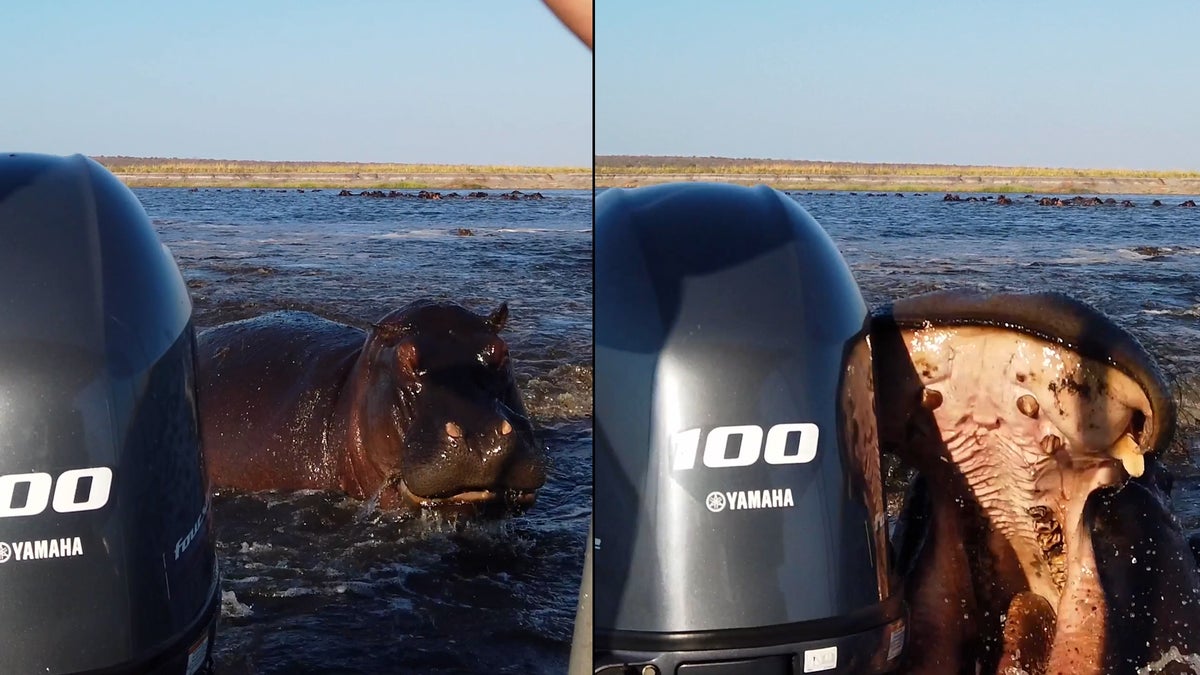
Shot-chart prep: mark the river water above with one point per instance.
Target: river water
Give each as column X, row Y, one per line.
column 315, row 582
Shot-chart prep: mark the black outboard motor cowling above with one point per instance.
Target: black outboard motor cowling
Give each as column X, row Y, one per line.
column 739, row 517
column 107, row 559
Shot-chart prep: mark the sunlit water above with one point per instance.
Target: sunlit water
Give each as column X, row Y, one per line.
column 314, row 582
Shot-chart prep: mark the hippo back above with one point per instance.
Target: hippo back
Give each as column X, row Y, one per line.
column 268, row 386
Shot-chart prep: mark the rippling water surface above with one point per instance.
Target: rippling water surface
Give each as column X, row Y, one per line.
column 314, row 582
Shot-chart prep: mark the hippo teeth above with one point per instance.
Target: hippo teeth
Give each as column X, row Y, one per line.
column 472, row 496
column 1126, row 449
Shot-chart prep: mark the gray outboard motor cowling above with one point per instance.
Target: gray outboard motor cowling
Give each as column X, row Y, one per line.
column 107, row 559
column 739, row 517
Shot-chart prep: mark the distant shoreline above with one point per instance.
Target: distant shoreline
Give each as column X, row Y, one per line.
column 204, row 173
column 635, row 171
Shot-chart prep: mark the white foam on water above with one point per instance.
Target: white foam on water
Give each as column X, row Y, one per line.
column 1172, row 656
column 1193, row 311
column 413, row 234
column 254, row 547
column 1085, row 257
column 231, row 608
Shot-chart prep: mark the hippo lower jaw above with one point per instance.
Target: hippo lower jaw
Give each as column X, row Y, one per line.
column 478, row 500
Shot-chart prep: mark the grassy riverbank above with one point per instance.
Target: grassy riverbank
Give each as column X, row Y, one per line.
column 158, row 172
column 635, row 170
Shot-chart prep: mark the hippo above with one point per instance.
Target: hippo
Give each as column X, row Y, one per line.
column 1033, row 423
column 1147, row 569
column 419, row 412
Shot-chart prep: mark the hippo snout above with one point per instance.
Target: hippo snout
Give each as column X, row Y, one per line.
column 496, row 457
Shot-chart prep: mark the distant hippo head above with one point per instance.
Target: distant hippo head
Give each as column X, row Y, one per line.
column 435, row 419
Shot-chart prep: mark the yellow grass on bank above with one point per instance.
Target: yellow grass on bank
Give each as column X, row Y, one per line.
column 170, row 172
column 634, row 170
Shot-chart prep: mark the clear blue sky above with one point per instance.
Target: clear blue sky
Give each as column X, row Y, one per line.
column 460, row 81
column 1096, row 84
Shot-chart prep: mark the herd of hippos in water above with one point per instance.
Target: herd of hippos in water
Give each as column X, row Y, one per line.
column 1043, row 201
column 515, row 195
column 1058, row 201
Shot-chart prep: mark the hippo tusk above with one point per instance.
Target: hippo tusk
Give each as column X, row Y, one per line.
column 1126, row 449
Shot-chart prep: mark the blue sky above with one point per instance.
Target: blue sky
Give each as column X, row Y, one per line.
column 1081, row 84
column 461, row 81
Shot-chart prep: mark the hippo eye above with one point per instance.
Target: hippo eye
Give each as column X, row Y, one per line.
column 407, row 359
column 494, row 355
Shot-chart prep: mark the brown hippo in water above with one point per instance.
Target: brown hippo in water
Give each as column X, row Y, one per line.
column 1025, row 417
column 422, row 411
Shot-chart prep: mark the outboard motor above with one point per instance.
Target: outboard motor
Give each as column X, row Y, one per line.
column 107, row 559
column 739, row 516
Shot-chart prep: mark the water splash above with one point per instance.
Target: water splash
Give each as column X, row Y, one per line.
column 1172, row 656
column 231, row 608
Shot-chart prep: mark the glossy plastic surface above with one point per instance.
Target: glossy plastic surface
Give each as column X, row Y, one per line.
column 737, row 490
column 106, row 550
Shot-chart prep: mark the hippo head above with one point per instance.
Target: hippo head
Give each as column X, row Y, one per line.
column 441, row 424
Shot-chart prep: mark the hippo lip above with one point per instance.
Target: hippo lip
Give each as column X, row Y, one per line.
column 474, row 497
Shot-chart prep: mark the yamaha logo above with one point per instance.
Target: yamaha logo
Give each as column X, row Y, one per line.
column 715, row 502
column 41, row 549
column 740, row 500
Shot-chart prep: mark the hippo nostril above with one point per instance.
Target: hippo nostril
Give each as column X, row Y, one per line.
column 1051, row 444
column 931, row 399
column 505, row 428
column 1028, row 406
column 453, row 430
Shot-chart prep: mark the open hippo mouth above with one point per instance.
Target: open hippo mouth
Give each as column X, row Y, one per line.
column 1014, row 409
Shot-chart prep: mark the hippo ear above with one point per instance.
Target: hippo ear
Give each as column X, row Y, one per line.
column 499, row 317
column 387, row 331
